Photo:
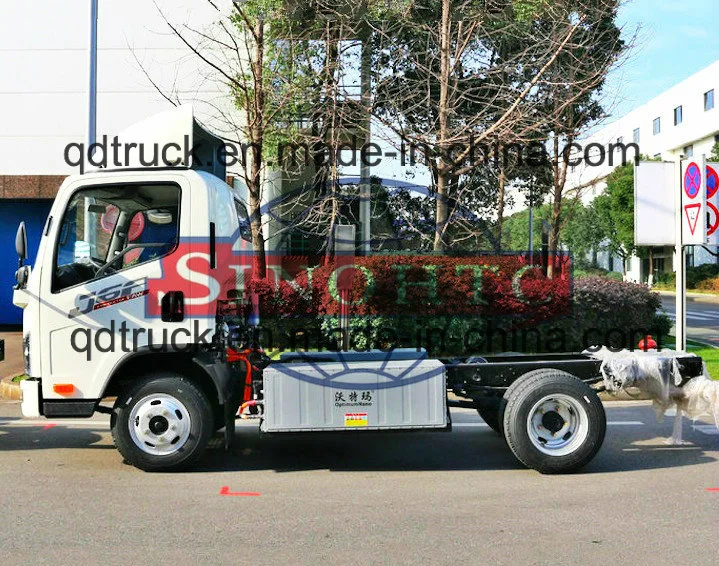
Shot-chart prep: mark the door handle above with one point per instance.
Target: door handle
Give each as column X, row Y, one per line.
column 173, row 306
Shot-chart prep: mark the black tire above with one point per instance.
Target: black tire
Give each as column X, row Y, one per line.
column 193, row 414
column 525, row 432
column 502, row 403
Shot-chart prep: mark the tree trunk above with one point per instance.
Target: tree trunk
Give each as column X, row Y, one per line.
column 624, row 268
column 254, row 185
column 500, row 203
column 443, row 172
column 651, row 262
column 332, row 40
column 554, row 231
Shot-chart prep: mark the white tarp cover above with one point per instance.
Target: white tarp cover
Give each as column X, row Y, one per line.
column 656, row 374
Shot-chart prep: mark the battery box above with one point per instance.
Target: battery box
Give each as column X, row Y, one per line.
column 357, row 392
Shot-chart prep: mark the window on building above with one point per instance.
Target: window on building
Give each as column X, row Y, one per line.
column 677, row 115
column 635, row 135
column 659, row 265
column 709, row 100
column 689, row 150
column 657, row 126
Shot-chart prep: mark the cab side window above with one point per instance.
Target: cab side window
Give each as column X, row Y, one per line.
column 110, row 228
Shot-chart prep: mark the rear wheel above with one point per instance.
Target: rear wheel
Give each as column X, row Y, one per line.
column 162, row 424
column 492, row 410
column 553, row 422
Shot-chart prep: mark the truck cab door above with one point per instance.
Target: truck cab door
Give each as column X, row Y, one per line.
column 100, row 297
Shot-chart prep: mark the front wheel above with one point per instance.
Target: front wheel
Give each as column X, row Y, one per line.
column 554, row 423
column 162, row 424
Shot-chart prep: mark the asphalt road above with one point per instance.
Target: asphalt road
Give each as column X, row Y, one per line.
column 419, row 498
column 702, row 318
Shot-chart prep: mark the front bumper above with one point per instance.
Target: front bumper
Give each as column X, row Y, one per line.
column 31, row 393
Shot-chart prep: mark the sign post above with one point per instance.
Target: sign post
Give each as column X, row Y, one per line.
column 692, row 229
column 680, row 265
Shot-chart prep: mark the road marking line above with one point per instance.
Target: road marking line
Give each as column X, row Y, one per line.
column 45, row 423
column 707, row 429
column 696, row 316
column 610, row 423
column 225, row 490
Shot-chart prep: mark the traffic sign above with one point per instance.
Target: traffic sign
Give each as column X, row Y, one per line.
column 712, row 209
column 694, row 196
column 692, row 180
column 712, row 182
column 712, row 219
column 692, row 212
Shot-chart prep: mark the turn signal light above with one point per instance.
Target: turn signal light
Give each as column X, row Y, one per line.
column 63, row 388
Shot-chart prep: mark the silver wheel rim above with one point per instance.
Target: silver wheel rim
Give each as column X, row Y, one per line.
column 557, row 425
column 159, row 424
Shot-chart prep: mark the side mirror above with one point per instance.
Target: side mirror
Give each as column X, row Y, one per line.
column 21, row 244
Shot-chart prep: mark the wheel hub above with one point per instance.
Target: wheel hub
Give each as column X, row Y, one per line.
column 557, row 424
column 552, row 421
column 159, row 424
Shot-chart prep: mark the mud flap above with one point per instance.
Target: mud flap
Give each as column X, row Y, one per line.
column 234, row 388
column 230, row 412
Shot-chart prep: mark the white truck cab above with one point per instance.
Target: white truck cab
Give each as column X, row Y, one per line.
column 123, row 297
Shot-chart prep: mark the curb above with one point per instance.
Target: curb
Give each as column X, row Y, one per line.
column 693, row 297
column 10, row 390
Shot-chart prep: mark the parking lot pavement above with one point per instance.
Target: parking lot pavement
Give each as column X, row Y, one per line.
column 404, row 498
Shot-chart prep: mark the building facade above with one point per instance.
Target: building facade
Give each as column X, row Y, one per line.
column 44, row 62
column 683, row 121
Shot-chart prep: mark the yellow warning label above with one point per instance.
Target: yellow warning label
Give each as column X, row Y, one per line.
column 355, row 419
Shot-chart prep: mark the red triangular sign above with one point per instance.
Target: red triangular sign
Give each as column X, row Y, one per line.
column 692, row 212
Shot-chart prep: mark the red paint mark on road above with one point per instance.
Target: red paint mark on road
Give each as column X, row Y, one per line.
column 715, row 489
column 225, row 490
column 47, row 426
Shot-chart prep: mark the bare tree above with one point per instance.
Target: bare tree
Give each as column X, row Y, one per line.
column 460, row 80
column 247, row 54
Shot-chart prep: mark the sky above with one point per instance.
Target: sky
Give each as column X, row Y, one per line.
column 674, row 39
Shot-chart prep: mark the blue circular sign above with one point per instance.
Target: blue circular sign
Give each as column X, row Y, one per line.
column 692, row 180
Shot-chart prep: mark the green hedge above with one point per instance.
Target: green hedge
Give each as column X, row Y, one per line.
column 696, row 277
column 603, row 312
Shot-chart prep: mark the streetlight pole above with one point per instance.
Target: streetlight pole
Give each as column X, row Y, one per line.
column 92, row 76
column 89, row 233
